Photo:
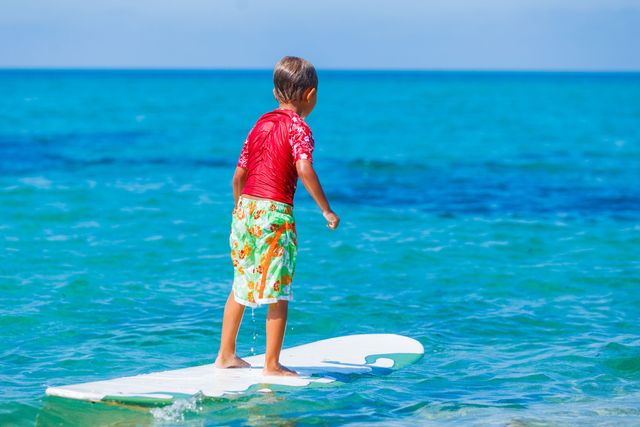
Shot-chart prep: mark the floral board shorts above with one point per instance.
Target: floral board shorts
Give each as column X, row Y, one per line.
column 263, row 250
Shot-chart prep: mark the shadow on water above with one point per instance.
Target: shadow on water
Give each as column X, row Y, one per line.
column 251, row 409
column 517, row 186
column 38, row 153
column 68, row 412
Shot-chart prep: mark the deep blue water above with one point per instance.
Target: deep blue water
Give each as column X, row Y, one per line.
column 492, row 216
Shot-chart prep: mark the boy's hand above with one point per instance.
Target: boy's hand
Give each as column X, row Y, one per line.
column 332, row 219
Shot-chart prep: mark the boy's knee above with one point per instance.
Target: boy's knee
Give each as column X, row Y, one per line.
column 278, row 308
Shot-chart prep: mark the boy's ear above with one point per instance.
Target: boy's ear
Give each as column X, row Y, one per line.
column 308, row 94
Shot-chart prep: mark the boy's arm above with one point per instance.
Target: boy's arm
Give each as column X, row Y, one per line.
column 311, row 182
column 239, row 179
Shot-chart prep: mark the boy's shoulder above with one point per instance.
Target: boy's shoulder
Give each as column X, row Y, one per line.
column 299, row 126
column 285, row 117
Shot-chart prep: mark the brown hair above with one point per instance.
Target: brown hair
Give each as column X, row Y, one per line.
column 292, row 76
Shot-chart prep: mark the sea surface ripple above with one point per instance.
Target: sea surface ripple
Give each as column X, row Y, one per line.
column 491, row 216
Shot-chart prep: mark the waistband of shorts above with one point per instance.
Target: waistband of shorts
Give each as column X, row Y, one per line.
column 267, row 205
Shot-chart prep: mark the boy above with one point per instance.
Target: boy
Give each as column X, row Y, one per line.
column 263, row 235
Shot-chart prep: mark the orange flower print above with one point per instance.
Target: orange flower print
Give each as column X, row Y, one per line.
column 262, row 250
column 245, row 252
column 286, row 279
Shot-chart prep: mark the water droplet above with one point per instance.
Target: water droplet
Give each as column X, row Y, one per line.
column 255, row 331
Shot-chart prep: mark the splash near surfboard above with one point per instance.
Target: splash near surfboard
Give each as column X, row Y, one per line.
column 329, row 361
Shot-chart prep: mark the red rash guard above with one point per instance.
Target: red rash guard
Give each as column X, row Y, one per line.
column 277, row 141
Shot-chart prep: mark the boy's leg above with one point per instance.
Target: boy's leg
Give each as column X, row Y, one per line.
column 227, row 358
column 276, row 324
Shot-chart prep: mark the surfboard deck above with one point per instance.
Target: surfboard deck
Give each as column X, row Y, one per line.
column 318, row 363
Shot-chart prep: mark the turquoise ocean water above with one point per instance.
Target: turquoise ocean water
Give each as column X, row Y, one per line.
column 492, row 216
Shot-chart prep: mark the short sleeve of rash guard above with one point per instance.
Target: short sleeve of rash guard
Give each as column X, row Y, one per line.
column 244, row 155
column 301, row 140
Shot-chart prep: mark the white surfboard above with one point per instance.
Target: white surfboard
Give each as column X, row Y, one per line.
column 339, row 359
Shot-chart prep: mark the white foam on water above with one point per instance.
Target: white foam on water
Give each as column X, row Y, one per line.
column 59, row 237
column 217, row 256
column 177, row 411
column 37, row 181
column 87, row 224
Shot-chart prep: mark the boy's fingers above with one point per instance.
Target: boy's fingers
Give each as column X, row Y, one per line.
column 332, row 221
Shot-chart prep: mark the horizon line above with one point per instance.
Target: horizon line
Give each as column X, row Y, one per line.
column 329, row 69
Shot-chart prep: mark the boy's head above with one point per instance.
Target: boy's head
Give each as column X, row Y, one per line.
column 295, row 82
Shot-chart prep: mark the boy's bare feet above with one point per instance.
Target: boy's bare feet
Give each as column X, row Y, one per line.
column 232, row 361
column 279, row 370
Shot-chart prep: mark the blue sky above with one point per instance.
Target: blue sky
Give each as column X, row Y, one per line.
column 398, row 34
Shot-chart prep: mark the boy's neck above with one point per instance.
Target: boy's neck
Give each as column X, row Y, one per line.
column 293, row 107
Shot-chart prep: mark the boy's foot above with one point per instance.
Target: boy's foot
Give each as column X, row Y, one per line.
column 279, row 370
column 231, row 362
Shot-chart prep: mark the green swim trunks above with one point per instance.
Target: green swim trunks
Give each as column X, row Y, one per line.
column 263, row 250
